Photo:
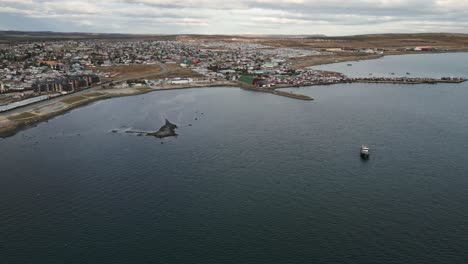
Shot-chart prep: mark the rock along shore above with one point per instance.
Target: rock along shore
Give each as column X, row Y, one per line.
column 167, row 130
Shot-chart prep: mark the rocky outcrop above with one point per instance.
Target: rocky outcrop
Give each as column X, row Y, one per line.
column 167, row 130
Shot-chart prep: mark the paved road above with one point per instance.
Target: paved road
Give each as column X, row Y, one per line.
column 41, row 104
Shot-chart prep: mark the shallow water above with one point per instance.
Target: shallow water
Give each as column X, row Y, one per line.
column 257, row 178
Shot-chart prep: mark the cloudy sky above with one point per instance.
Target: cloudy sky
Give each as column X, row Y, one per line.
column 330, row 17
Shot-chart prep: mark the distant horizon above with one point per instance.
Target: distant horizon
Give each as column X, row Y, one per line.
column 209, row 17
column 227, row 35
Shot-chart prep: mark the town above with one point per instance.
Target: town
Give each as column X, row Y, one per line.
column 36, row 71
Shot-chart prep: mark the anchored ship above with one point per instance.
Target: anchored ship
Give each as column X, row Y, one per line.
column 365, row 152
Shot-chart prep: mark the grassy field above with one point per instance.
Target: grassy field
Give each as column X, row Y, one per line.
column 377, row 41
column 144, row 89
column 176, row 71
column 299, row 63
column 95, row 94
column 384, row 41
column 74, row 99
column 22, row 116
column 129, row 71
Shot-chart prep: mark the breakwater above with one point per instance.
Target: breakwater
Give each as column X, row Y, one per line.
column 274, row 91
column 406, row 80
column 395, row 80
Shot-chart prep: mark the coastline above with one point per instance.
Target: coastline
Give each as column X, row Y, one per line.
column 15, row 120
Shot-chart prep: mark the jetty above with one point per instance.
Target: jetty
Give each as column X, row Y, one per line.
column 274, row 91
column 315, row 77
column 405, row 80
column 330, row 78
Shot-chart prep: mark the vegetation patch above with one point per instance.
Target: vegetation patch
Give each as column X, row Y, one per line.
column 130, row 71
column 174, row 71
column 144, row 89
column 247, row 79
column 74, row 99
column 23, row 116
column 96, row 94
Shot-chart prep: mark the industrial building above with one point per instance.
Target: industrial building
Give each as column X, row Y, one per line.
column 424, row 48
column 181, row 81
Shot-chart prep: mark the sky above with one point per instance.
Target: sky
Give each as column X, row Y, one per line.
column 293, row 17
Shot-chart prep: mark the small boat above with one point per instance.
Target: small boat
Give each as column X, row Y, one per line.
column 349, row 64
column 365, row 152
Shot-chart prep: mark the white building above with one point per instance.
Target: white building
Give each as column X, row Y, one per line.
column 368, row 51
column 181, row 81
column 334, row 49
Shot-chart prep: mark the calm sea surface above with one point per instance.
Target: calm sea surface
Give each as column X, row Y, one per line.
column 257, row 178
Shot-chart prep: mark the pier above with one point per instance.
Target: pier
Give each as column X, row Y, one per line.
column 404, row 80
column 274, row 91
column 315, row 77
column 391, row 80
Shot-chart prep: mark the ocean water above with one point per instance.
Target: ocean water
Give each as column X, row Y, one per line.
column 257, row 178
column 417, row 65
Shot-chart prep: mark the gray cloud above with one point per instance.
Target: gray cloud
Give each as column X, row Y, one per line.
column 332, row 17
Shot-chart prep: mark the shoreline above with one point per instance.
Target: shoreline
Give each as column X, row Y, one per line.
column 17, row 124
column 10, row 124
